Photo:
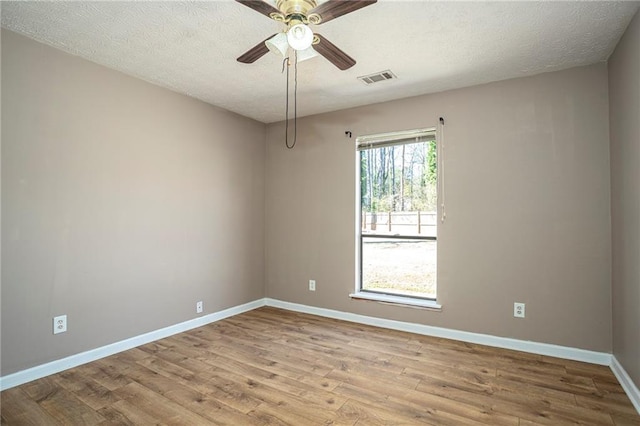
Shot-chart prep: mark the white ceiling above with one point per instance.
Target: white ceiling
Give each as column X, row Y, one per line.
column 191, row 47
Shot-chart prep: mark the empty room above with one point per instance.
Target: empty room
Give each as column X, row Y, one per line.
column 314, row 212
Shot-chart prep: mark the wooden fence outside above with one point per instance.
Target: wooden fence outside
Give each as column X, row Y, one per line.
column 408, row 223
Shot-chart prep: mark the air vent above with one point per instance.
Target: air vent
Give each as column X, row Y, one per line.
column 377, row 77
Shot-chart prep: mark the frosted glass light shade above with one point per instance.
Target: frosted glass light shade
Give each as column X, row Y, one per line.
column 300, row 37
column 307, row 53
column 278, row 44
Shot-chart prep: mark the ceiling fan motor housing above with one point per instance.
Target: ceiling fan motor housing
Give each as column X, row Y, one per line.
column 295, row 7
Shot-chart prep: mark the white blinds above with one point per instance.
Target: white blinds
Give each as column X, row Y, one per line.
column 395, row 138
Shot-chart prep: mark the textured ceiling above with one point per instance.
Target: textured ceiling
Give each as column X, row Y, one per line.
column 191, row 47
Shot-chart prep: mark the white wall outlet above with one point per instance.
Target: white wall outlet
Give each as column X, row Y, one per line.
column 59, row 324
column 199, row 307
column 312, row 285
column 518, row 310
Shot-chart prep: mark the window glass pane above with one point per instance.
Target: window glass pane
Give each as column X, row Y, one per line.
column 399, row 178
column 399, row 266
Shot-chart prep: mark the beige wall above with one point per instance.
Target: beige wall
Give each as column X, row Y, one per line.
column 122, row 205
column 624, row 115
column 528, row 217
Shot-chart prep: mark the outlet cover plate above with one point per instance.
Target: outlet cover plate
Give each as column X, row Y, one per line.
column 518, row 310
column 199, row 307
column 59, row 324
column 312, row 285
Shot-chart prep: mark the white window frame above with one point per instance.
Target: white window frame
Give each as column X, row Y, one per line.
column 377, row 141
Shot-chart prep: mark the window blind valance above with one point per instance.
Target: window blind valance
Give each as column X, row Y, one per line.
column 395, row 138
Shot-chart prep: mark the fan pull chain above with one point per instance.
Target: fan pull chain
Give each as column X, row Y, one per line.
column 287, row 63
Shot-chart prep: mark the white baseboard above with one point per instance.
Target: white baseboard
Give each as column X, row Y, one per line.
column 629, row 387
column 57, row 366
column 564, row 352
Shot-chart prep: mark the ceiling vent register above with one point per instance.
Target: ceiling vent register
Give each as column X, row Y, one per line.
column 377, row 77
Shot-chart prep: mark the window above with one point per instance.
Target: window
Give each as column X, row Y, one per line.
column 398, row 194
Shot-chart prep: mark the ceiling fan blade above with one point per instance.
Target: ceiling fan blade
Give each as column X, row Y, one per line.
column 260, row 6
column 333, row 53
column 332, row 9
column 255, row 53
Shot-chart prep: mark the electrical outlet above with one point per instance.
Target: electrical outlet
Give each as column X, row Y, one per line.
column 199, row 307
column 312, row 285
column 59, row 324
column 518, row 310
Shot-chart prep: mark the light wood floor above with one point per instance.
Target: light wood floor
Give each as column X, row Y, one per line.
column 274, row 367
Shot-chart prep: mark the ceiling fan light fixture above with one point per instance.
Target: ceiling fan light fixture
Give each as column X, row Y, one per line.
column 307, row 53
column 278, row 44
column 300, row 37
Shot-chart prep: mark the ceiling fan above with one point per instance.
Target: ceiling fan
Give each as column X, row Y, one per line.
column 297, row 15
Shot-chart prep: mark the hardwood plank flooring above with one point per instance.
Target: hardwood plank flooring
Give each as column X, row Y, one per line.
column 275, row 367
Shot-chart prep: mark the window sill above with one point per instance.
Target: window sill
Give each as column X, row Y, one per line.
column 397, row 300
